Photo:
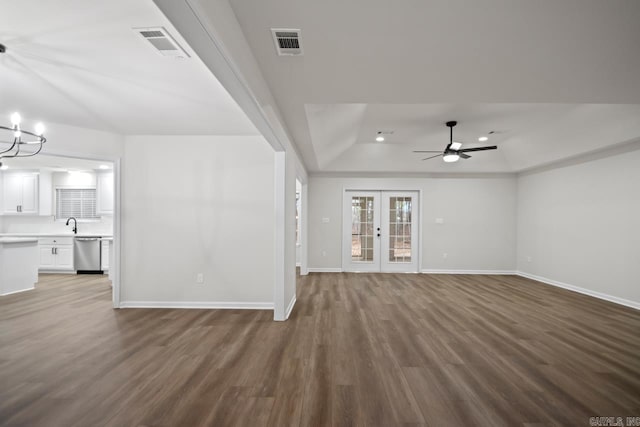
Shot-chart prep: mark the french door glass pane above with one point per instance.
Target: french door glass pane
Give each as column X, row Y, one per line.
column 400, row 229
column 362, row 229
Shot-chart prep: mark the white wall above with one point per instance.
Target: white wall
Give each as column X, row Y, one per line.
column 198, row 204
column 580, row 225
column 80, row 142
column 479, row 230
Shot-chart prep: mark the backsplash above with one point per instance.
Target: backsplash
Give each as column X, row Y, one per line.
column 47, row 224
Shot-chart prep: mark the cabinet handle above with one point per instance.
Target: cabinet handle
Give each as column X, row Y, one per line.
column 56, row 251
column 52, row 251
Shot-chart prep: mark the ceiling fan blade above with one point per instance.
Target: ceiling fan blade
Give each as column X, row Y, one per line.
column 468, row 150
column 464, row 156
column 432, row 157
column 420, row 151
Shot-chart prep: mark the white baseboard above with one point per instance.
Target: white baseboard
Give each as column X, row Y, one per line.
column 600, row 295
column 324, row 270
column 17, row 292
column 198, row 305
column 290, row 307
column 57, row 272
column 497, row 272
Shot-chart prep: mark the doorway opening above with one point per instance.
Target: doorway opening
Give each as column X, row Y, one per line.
column 72, row 213
column 380, row 231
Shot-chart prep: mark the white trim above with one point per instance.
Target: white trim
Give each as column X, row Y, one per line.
column 298, row 264
column 17, row 292
column 304, row 249
column 496, row 272
column 589, row 292
column 279, row 256
column 324, row 270
column 290, row 307
column 198, row 305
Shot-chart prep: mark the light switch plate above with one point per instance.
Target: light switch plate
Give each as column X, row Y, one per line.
column 325, row 220
column 439, row 220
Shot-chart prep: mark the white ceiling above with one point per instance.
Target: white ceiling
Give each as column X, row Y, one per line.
column 78, row 62
column 555, row 78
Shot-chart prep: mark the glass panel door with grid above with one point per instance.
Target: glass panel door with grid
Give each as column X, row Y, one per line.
column 380, row 231
column 399, row 237
column 361, row 230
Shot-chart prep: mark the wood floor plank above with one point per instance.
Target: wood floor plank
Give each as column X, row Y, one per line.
column 358, row 350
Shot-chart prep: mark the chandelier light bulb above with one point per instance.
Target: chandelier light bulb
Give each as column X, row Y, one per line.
column 15, row 119
column 26, row 142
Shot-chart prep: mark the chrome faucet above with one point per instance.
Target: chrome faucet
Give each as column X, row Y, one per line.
column 75, row 224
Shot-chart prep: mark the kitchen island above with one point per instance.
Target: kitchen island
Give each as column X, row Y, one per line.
column 18, row 264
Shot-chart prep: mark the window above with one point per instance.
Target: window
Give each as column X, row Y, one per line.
column 76, row 202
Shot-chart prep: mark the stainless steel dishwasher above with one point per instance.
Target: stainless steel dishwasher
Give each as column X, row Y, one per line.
column 87, row 255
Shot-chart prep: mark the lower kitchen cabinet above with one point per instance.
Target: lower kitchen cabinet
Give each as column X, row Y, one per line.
column 56, row 254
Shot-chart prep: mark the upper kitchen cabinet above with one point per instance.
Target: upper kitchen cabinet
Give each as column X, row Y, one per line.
column 20, row 193
column 104, row 193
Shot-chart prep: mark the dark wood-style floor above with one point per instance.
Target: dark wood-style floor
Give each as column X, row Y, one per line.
column 359, row 349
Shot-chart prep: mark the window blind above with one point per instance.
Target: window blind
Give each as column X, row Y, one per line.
column 79, row 203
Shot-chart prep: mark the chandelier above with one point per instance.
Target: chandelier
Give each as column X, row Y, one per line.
column 17, row 142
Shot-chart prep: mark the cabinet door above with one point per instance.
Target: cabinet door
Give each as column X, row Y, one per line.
column 104, row 256
column 64, row 257
column 104, row 193
column 12, row 193
column 29, row 194
column 47, row 258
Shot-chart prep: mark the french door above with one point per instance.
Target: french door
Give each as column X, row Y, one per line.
column 380, row 231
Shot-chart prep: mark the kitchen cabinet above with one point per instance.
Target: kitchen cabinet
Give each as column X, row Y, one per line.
column 104, row 255
column 104, row 193
column 56, row 253
column 20, row 193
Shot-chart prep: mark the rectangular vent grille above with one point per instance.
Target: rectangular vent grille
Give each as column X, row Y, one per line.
column 287, row 41
column 163, row 42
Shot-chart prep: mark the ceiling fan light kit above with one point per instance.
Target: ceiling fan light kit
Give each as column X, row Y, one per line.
column 454, row 151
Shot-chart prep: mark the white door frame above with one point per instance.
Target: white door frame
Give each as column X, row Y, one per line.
column 418, row 219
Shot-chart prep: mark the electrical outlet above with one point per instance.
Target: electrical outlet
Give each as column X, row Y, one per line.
column 325, row 220
column 439, row 220
column 444, row 255
column 324, row 253
column 200, row 278
column 528, row 259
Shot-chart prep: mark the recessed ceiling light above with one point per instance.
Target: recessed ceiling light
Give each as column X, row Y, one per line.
column 103, row 167
column 483, row 138
column 379, row 138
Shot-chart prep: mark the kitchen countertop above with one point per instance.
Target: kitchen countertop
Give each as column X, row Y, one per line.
column 17, row 240
column 55, row 235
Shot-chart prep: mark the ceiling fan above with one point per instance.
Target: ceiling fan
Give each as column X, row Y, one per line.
column 454, row 151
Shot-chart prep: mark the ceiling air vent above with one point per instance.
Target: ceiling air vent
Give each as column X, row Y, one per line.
column 287, row 41
column 163, row 42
